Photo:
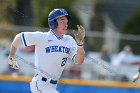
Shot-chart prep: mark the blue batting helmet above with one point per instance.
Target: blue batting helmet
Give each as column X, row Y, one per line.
column 54, row 15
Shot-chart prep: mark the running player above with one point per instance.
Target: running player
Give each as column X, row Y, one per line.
column 52, row 51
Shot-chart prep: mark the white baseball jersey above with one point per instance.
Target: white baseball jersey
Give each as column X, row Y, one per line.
column 51, row 52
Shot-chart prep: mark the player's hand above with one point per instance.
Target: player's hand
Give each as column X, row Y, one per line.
column 79, row 35
column 136, row 77
column 12, row 62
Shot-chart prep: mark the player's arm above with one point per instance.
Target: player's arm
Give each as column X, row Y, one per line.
column 27, row 39
column 11, row 58
column 79, row 37
column 79, row 58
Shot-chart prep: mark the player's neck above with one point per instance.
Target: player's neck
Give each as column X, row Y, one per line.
column 58, row 33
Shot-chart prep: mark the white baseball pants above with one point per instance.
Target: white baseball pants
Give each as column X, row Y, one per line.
column 39, row 86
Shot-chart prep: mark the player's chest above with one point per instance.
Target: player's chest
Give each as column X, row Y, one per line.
column 55, row 46
column 53, row 42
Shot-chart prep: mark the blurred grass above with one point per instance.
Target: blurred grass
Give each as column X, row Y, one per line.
column 9, row 34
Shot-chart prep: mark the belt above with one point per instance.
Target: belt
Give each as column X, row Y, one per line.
column 47, row 80
column 51, row 81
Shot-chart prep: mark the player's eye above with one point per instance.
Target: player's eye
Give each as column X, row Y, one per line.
column 63, row 21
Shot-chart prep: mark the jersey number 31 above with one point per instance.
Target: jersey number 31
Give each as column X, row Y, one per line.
column 64, row 60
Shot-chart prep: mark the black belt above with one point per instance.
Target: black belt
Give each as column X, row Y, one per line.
column 45, row 79
column 51, row 81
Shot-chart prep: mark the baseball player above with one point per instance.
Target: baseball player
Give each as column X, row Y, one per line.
column 137, row 76
column 52, row 51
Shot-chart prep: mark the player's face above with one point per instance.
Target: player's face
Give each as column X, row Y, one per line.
column 62, row 24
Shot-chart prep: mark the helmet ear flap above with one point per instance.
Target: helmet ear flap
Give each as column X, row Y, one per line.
column 53, row 24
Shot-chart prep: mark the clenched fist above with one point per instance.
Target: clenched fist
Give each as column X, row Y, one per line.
column 12, row 62
column 79, row 35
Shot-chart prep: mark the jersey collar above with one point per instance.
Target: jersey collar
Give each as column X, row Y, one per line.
column 52, row 31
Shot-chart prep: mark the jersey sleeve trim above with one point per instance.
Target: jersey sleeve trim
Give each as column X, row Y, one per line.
column 23, row 38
